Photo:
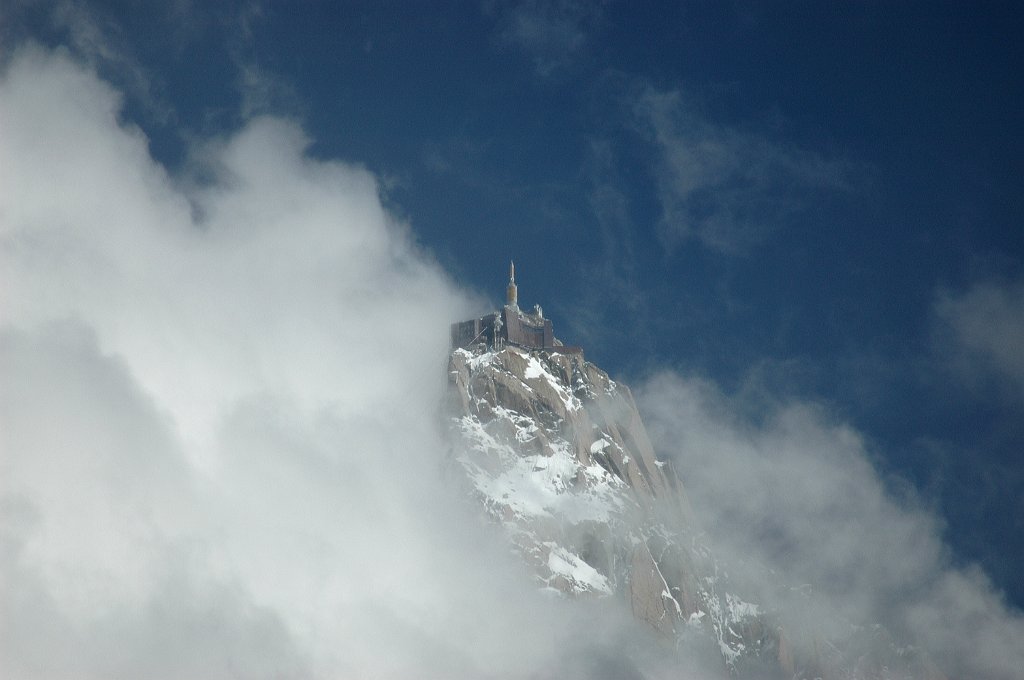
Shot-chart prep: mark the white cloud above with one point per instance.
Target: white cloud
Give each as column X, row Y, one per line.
column 219, row 453
column 983, row 332
column 99, row 41
column 219, row 448
column 725, row 188
column 796, row 494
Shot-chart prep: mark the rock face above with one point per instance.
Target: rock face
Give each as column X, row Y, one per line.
column 557, row 455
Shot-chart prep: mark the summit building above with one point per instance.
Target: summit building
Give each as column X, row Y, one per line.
column 509, row 326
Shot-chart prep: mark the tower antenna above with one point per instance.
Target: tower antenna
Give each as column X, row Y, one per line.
column 512, row 293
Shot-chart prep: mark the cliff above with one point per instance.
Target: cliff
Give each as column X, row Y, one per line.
column 556, row 453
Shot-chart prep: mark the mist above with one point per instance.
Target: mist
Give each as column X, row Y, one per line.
column 220, row 449
column 796, row 509
column 221, row 389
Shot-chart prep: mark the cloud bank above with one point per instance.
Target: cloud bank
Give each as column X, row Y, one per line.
column 219, row 453
column 219, row 448
column 792, row 494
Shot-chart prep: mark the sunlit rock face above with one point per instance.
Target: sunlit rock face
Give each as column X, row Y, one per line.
column 557, row 454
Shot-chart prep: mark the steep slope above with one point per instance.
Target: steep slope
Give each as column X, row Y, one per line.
column 556, row 452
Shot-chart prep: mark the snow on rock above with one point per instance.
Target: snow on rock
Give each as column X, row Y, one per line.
column 572, row 571
column 557, row 455
column 738, row 609
column 533, row 369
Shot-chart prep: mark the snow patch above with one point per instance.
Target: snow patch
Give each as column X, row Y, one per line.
column 534, row 369
column 537, row 485
column 738, row 609
column 581, row 576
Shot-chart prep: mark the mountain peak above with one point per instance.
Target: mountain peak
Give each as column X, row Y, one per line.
column 556, row 454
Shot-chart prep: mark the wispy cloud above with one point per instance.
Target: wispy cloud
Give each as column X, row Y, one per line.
column 102, row 43
column 608, row 281
column 982, row 333
column 721, row 186
column 262, row 91
column 551, row 32
column 791, row 497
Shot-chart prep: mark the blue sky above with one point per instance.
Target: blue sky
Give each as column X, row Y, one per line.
column 798, row 201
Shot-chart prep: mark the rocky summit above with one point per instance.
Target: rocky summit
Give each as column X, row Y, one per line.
column 556, row 454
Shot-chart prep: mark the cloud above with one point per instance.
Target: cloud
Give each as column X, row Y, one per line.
column 262, row 91
column 982, row 333
column 720, row 186
column 100, row 42
column 98, row 516
column 609, row 284
column 219, row 446
column 791, row 497
column 219, row 451
column 551, row 32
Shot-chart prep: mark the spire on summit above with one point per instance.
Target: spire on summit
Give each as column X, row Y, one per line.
column 512, row 293
column 509, row 326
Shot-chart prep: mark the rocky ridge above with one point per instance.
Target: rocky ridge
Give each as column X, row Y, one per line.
column 556, row 453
